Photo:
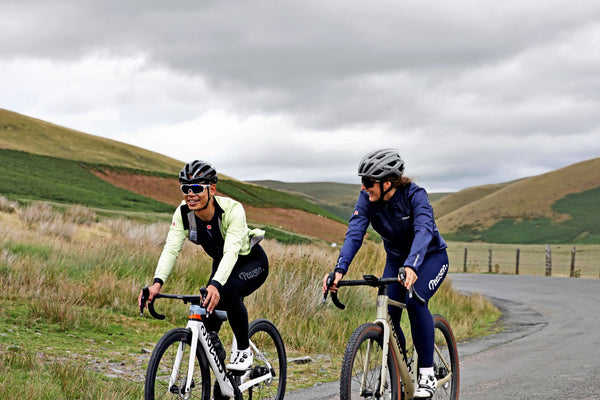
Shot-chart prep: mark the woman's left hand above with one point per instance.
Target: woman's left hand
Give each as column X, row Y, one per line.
column 212, row 298
column 411, row 277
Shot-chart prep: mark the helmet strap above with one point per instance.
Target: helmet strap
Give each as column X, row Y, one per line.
column 207, row 202
column 384, row 192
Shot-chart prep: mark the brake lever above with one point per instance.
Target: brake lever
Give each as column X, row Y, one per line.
column 329, row 283
column 411, row 292
column 145, row 295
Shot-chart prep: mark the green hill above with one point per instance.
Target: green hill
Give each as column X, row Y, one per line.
column 339, row 198
column 31, row 135
column 43, row 161
column 556, row 207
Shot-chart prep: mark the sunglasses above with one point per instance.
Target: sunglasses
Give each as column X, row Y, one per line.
column 368, row 182
column 196, row 188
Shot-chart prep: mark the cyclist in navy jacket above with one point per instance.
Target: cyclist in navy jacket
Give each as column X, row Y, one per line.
column 399, row 210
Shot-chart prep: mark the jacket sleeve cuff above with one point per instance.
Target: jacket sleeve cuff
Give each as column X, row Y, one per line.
column 216, row 284
column 158, row 280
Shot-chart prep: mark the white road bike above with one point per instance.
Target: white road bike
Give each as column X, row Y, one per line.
column 180, row 365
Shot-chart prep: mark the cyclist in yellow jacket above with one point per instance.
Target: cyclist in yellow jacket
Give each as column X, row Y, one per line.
column 240, row 265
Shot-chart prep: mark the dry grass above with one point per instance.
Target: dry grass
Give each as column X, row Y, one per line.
column 85, row 283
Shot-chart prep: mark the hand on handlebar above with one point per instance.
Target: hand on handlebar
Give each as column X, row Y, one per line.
column 330, row 282
column 148, row 297
column 407, row 276
column 212, row 298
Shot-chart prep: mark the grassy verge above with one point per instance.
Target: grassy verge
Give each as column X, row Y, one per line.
column 68, row 314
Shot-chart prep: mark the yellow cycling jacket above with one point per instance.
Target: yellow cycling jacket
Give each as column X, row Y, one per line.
column 239, row 239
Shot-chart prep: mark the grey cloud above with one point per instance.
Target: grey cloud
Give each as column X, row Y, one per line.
column 449, row 83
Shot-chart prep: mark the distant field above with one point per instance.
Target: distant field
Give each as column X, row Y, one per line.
column 532, row 258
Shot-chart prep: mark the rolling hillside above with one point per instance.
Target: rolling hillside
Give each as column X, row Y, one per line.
column 557, row 207
column 43, row 161
column 339, row 198
column 31, row 135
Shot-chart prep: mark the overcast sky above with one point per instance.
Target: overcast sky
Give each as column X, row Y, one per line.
column 470, row 92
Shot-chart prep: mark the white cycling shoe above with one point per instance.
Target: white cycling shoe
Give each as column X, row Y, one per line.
column 426, row 389
column 241, row 360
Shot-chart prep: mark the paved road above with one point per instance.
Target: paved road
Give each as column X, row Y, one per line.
column 550, row 348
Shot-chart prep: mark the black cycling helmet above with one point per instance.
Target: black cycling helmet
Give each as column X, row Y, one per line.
column 198, row 171
column 380, row 164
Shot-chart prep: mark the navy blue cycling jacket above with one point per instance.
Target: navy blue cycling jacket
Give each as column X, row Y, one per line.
column 405, row 223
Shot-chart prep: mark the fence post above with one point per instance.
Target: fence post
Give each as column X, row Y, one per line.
column 490, row 260
column 548, row 261
column 517, row 264
column 465, row 262
column 572, row 275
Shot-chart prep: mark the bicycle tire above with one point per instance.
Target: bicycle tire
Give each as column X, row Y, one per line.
column 446, row 343
column 264, row 334
column 355, row 360
column 161, row 364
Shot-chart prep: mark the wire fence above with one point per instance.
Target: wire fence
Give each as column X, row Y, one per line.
column 580, row 261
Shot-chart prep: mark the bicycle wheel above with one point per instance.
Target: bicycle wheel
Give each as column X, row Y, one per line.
column 265, row 336
column 361, row 368
column 445, row 360
column 161, row 364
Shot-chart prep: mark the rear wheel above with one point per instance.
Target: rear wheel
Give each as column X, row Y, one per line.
column 445, row 360
column 160, row 368
column 361, row 368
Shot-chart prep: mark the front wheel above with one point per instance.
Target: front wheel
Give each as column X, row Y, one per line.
column 445, row 360
column 270, row 356
column 362, row 366
column 174, row 347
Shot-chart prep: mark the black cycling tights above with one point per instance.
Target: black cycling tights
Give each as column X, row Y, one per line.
column 248, row 274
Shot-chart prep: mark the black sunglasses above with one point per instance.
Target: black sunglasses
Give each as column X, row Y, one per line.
column 196, row 188
column 368, row 182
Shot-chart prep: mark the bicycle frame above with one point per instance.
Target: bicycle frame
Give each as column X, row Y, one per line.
column 200, row 335
column 409, row 377
column 384, row 320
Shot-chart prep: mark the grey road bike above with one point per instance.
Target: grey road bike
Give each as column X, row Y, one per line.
column 182, row 361
column 375, row 366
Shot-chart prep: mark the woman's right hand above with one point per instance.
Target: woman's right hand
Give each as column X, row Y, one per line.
column 338, row 277
column 154, row 290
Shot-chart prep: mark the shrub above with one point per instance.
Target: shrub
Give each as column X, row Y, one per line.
column 7, row 205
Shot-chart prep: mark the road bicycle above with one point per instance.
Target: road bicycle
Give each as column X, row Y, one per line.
column 181, row 363
column 375, row 365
